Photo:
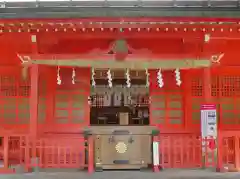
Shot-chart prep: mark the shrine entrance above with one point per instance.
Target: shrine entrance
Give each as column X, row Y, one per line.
column 120, row 119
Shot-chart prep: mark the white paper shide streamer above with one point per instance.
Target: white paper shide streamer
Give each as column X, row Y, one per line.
column 59, row 81
column 178, row 77
column 73, row 75
column 128, row 82
column 147, row 78
column 93, row 78
column 160, row 78
column 109, row 76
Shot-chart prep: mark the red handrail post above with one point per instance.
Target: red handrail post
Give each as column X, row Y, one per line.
column 5, row 168
column 5, row 152
column 236, row 152
column 219, row 167
column 27, row 154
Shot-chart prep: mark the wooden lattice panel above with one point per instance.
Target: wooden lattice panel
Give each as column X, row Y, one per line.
column 70, row 106
column 225, row 93
column 14, row 101
column 167, row 107
column 229, row 99
column 71, row 100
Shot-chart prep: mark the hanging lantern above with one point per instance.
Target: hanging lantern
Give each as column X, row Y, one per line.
column 89, row 100
column 109, row 76
column 160, row 78
column 178, row 77
column 73, row 75
column 128, row 79
column 59, row 81
column 93, row 78
column 206, row 38
column 147, row 78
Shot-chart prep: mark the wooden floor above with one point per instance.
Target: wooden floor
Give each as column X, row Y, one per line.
column 166, row 174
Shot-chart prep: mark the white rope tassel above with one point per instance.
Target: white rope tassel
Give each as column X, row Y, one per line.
column 59, row 81
column 178, row 77
column 73, row 75
column 147, row 78
column 128, row 79
column 109, row 76
column 160, row 78
column 93, row 77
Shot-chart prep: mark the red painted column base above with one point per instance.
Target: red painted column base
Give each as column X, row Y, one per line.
column 220, row 170
column 155, row 168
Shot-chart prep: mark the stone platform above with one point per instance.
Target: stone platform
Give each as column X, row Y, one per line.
column 166, row 174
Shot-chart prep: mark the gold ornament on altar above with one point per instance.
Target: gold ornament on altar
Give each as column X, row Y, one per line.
column 121, row 147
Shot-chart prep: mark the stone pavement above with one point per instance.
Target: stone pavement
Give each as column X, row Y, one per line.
column 166, row 174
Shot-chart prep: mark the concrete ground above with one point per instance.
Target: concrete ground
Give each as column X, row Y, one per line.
column 166, row 174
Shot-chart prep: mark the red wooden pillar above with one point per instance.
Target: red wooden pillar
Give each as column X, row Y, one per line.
column 207, row 85
column 34, row 106
column 51, row 93
column 34, row 99
column 208, row 100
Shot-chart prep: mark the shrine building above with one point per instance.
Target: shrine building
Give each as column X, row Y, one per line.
column 119, row 85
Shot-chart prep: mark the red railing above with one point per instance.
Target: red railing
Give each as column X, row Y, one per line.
column 228, row 150
column 186, row 151
column 75, row 151
column 52, row 151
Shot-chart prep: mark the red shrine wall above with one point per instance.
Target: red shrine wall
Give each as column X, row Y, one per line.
column 65, row 107
column 60, row 107
column 177, row 109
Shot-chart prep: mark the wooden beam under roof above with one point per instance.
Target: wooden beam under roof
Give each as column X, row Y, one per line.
column 133, row 65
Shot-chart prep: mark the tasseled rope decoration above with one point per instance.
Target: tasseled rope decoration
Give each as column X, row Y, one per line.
column 128, row 79
column 109, row 76
column 73, row 75
column 147, row 78
column 160, row 78
column 59, row 81
column 178, row 77
column 93, row 78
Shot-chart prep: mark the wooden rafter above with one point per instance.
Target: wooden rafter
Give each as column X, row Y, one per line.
column 176, row 28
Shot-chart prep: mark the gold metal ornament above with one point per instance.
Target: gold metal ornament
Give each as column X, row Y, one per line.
column 121, row 147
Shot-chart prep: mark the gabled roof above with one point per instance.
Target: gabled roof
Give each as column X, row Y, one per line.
column 113, row 8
